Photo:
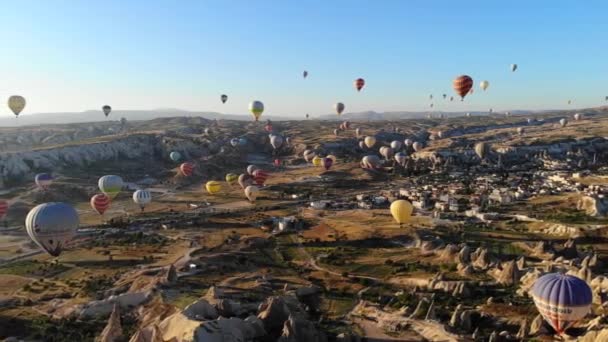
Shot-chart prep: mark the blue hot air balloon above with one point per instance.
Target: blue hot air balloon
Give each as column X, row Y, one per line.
column 175, row 156
column 561, row 299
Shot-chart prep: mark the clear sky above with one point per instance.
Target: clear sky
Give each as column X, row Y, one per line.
column 145, row 54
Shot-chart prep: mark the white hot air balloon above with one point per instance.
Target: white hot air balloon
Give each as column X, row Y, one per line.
column 396, row 145
column 578, row 116
column 400, row 158
column 563, row 122
column 142, row 198
column 251, row 192
column 484, row 85
column 417, row 146
column 52, row 225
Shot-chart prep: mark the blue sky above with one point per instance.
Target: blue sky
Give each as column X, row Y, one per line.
column 80, row 55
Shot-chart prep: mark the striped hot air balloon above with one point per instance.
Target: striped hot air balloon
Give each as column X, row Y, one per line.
column 43, row 180
column 561, row 299
column 359, row 83
column 3, row 208
column 260, row 176
column 100, row 203
column 462, row 84
column 187, row 169
column 142, row 198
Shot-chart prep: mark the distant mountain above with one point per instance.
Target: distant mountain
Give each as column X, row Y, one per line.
column 375, row 116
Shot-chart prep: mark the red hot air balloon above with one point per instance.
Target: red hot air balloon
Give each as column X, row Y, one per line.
column 268, row 128
column 462, row 84
column 187, row 169
column 277, row 162
column 359, row 83
column 100, row 203
column 259, row 177
column 3, row 208
column 327, row 163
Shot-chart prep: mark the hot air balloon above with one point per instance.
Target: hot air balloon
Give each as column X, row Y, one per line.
column 332, row 157
column 468, row 115
column 43, row 180
column 462, row 84
column 563, row 122
column 260, row 176
column 569, row 101
column 520, row 130
column 401, row 211
column 288, row 140
column 251, row 169
column 110, row 185
column 444, row 96
column 100, row 203
column 268, row 127
column 106, row 110
column 417, row 146
column 431, row 105
column 3, row 208
column 484, row 85
column 370, row 162
column 141, row 198
column 339, row 107
column 431, row 97
column 213, row 187
column 530, row 121
column 277, row 162
column 358, row 132
column 578, row 116
column 305, row 74
column 234, row 142
column 52, row 225
column 482, row 149
column 317, row 161
column 307, row 115
column 513, row 67
column 561, row 299
column 175, row 156
column 451, row 99
column 370, row 141
column 256, row 108
column 224, row 98
column 396, row 145
column 336, row 132
column 346, row 124
column 327, row 163
column 362, row 144
column 231, row 178
column 16, row 104
column 400, row 158
column 308, row 155
column 251, row 192
column 359, row 83
column 276, row 141
column 187, row 169
column 245, row 180
column 408, row 142
column 386, row 152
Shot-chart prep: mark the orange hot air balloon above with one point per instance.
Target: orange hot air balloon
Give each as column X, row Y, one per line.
column 462, row 84
column 359, row 83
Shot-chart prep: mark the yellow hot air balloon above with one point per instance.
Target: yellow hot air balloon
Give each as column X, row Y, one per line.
column 213, row 187
column 401, row 211
column 256, row 108
column 231, row 178
column 370, row 141
column 16, row 103
column 317, row 161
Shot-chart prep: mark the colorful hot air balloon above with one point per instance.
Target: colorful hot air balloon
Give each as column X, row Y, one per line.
column 400, row 158
column 276, row 141
column 3, row 208
column 213, row 187
column 43, row 180
column 462, row 84
column 100, row 203
column 110, row 185
column 260, row 176
column 245, row 180
column 484, row 85
column 16, row 103
column 51, row 226
column 370, row 141
column 339, row 107
column 327, row 163
column 231, row 178
column 251, row 169
column 142, row 198
column 317, row 161
column 175, row 156
column 561, row 299
column 106, row 110
column 256, row 108
column 401, row 211
column 359, row 83
column 305, row 74
column 482, row 149
column 224, row 98
column 513, row 67
column 187, row 169
column 251, row 192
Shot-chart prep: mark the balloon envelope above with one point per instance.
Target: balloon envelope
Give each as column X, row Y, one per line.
column 100, row 203
column 256, row 108
column 231, row 178
column 462, row 84
column 187, row 169
column 561, row 299
column 16, row 103
column 276, row 141
column 484, row 85
column 251, row 169
column 370, row 141
column 43, row 180
column 213, row 187
column 513, row 67
column 245, row 180
column 482, row 149
column 401, row 211
column 224, row 98
column 251, row 192
column 400, row 158
column 317, row 161
column 52, row 225
column 142, row 198
column 106, row 110
column 175, row 156
column 327, row 163
column 110, row 185
column 260, row 176
column 339, row 107
column 359, row 83
column 3, row 208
